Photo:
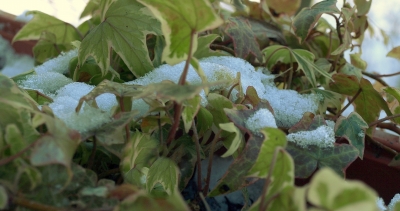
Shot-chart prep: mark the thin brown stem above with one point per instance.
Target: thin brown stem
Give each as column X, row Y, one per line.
column 182, row 79
column 210, row 158
column 330, row 45
column 6, row 160
column 93, row 153
column 263, row 204
column 383, row 119
column 337, row 28
column 198, row 154
column 348, row 104
column 375, row 77
column 231, row 89
column 222, row 48
column 387, row 75
column 20, row 201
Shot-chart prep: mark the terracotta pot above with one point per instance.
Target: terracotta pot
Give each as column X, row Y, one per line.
column 8, row 28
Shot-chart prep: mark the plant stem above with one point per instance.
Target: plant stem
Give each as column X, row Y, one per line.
column 263, row 204
column 182, row 79
column 93, row 154
column 34, row 205
column 198, row 148
column 6, row 160
column 383, row 119
column 348, row 104
column 376, row 77
column 222, row 48
column 210, row 158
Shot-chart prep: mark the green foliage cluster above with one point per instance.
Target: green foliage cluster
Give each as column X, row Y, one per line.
column 143, row 162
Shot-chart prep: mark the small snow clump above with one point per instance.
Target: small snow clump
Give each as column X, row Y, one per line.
column 47, row 83
column 323, row 136
column 381, row 204
column 395, row 199
column 260, row 119
column 58, row 64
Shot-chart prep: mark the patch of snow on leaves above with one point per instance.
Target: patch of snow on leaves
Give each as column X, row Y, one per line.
column 58, row 64
column 88, row 118
column 381, row 204
column 395, row 199
column 323, row 136
column 260, row 119
column 47, row 83
column 288, row 105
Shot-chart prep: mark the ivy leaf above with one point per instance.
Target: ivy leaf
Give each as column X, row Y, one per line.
column 396, row 94
column 304, row 59
column 165, row 172
column 363, row 6
column 235, row 142
column 47, row 47
column 124, row 28
column 274, row 140
column 394, row 53
column 181, row 20
column 330, row 192
column 357, row 61
column 137, row 155
column 307, row 160
column 353, row 129
column 329, row 99
column 244, row 39
column 216, row 105
column 189, row 112
column 57, row 146
column 369, row 102
column 64, row 32
column 203, row 49
column 305, row 20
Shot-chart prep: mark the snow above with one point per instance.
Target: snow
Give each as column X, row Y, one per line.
column 395, row 199
column 47, row 83
column 323, row 136
column 58, row 64
column 260, row 119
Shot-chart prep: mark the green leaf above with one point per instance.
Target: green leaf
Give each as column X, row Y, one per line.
column 305, row 20
column 369, row 102
column 137, row 155
column 48, row 48
column 14, row 139
column 330, row 192
column 180, row 21
column 396, row 94
column 307, row 160
column 165, row 172
column 357, row 61
column 304, row 59
column 363, row 6
column 273, row 140
column 349, row 69
column 216, row 105
column 203, row 48
column 235, row 177
column 289, row 199
column 57, row 146
column 353, row 129
column 64, row 32
column 329, row 99
column 394, row 53
column 204, row 121
column 124, row 28
column 244, row 40
column 238, row 139
column 189, row 112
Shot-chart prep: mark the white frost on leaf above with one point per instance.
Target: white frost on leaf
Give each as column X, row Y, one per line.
column 323, row 136
column 395, row 199
column 381, row 204
column 58, row 64
column 260, row 119
column 47, row 83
